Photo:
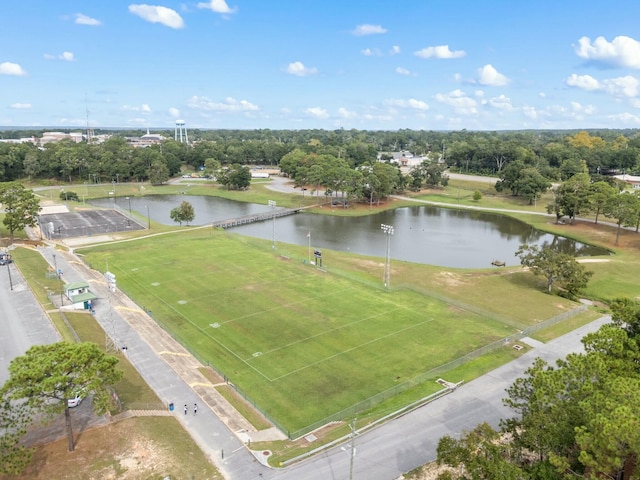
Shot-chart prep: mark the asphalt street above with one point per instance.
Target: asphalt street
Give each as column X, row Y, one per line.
column 23, row 323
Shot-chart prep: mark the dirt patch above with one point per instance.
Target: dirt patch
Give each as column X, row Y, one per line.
column 133, row 449
column 450, row 279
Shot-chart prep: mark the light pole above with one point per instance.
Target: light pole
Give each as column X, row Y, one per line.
column 129, row 199
column 9, row 272
column 148, row 218
column 388, row 229
column 272, row 204
column 55, row 265
column 113, row 183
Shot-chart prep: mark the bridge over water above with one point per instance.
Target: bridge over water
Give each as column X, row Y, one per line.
column 256, row 217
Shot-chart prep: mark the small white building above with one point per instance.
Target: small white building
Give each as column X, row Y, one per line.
column 79, row 295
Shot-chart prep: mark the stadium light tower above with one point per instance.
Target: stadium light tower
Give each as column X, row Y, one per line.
column 272, row 204
column 388, row 230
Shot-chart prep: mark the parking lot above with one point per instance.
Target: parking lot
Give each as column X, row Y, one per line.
column 57, row 226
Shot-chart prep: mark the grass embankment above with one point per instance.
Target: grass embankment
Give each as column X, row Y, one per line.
column 304, row 343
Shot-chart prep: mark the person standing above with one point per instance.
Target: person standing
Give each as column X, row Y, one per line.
column 195, row 408
column 185, row 409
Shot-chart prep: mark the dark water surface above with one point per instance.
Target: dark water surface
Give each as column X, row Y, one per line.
column 422, row 234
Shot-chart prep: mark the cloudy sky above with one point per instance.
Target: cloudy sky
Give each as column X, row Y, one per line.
column 294, row 64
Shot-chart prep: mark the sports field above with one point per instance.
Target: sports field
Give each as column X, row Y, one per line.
column 301, row 342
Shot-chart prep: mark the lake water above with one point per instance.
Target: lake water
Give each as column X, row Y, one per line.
column 422, row 234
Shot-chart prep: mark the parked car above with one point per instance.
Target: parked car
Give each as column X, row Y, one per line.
column 5, row 259
column 75, row 401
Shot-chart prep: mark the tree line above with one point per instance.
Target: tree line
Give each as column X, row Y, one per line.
column 555, row 155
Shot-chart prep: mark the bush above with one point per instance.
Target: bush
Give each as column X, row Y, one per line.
column 69, row 196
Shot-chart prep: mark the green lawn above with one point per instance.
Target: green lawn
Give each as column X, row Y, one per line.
column 302, row 343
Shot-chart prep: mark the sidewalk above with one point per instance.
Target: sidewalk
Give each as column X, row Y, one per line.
column 171, row 371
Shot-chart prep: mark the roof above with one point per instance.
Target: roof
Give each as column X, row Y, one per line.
column 76, row 285
column 83, row 297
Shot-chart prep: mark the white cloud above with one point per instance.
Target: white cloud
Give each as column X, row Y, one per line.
column 622, row 51
column 584, row 82
column 317, row 112
column 82, row 19
column 344, row 113
column 489, row 76
column 366, row 29
column 530, row 112
column 583, row 109
column 501, row 102
column 298, row 69
column 174, row 112
column 157, row 14
column 217, row 6
column 402, row 71
column 412, row 103
column 395, row 50
column 10, row 68
column 627, row 86
column 367, row 52
column 627, row 118
column 229, row 105
column 20, row 106
column 459, row 100
column 67, row 57
column 441, row 51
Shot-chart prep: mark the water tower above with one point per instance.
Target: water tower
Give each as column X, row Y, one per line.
column 180, row 129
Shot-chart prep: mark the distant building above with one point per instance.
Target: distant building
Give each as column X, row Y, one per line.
column 52, row 137
column 404, row 159
column 146, row 140
column 632, row 180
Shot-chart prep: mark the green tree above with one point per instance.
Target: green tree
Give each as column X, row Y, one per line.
column 47, row 376
column 14, row 457
column 600, row 193
column 571, row 197
column 555, row 267
column 20, row 205
column 211, row 167
column 158, row 173
column 625, row 208
column 183, row 213
column 479, row 454
column 237, row 177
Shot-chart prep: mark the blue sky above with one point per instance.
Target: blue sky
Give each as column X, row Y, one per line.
column 295, row 64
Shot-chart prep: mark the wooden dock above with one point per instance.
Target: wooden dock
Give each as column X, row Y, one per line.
column 258, row 217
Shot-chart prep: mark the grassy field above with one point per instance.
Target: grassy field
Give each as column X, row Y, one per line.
column 301, row 342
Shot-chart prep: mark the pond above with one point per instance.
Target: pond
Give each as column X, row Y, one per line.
column 422, row 234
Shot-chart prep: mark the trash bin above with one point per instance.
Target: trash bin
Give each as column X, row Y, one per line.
column 171, row 407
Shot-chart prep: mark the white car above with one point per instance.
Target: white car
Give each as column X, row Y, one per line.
column 75, row 401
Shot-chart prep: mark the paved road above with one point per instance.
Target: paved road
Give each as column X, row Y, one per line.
column 23, row 323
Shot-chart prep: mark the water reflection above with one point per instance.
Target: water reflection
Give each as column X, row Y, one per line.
column 423, row 234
